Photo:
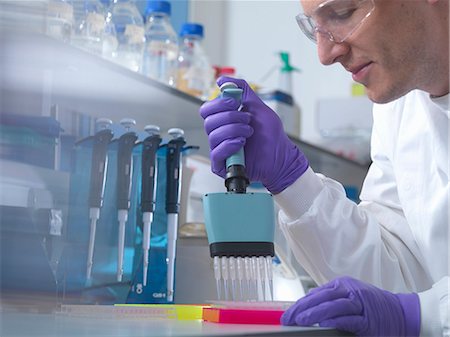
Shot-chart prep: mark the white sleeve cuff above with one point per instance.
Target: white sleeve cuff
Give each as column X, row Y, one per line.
column 296, row 199
column 434, row 309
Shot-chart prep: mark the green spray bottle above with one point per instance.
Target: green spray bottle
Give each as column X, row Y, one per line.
column 282, row 99
column 285, row 75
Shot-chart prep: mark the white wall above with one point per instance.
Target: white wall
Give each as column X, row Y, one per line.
column 247, row 34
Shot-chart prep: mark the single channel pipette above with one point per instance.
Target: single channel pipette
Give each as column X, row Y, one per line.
column 173, row 187
column 124, row 175
column 149, row 173
column 99, row 166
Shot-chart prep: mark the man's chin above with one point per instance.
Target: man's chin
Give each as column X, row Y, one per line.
column 382, row 97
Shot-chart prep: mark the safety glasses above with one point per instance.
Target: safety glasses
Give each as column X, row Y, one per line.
column 335, row 19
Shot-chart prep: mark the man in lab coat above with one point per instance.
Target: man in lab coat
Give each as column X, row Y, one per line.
column 386, row 260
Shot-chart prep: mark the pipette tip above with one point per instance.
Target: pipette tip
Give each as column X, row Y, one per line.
column 144, row 281
column 88, row 283
column 145, row 270
column 89, row 271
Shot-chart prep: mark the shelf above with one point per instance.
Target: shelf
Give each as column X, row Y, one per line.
column 38, row 71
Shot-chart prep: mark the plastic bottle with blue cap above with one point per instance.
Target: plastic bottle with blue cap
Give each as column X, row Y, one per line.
column 161, row 47
column 195, row 74
column 129, row 26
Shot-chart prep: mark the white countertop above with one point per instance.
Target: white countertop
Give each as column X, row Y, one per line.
column 21, row 324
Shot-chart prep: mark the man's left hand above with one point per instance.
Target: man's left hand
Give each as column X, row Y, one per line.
column 351, row 305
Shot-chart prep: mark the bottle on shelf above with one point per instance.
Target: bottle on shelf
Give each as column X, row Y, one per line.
column 195, row 74
column 224, row 71
column 129, row 26
column 219, row 71
column 281, row 99
column 285, row 74
column 59, row 19
column 110, row 42
column 161, row 47
column 89, row 30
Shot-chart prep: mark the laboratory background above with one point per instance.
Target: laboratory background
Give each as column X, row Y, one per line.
column 105, row 166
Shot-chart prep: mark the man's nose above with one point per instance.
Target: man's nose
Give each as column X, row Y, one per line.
column 329, row 51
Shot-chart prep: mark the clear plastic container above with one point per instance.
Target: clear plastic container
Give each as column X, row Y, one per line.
column 110, row 42
column 89, row 30
column 195, row 73
column 161, row 47
column 129, row 26
column 59, row 20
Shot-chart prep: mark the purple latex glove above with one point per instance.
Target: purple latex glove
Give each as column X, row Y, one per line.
column 351, row 305
column 270, row 157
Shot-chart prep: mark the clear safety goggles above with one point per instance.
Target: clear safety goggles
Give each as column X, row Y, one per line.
column 335, row 19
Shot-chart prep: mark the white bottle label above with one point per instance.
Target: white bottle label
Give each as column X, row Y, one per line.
column 62, row 10
column 134, row 33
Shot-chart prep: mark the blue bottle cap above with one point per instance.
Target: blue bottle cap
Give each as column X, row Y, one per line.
column 90, row 6
column 120, row 29
column 191, row 29
column 157, row 7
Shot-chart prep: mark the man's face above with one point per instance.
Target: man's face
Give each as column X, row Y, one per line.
column 386, row 53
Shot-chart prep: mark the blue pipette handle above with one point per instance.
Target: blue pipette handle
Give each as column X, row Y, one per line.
column 236, row 179
column 230, row 90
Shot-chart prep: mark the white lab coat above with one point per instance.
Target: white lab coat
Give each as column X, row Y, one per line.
column 397, row 237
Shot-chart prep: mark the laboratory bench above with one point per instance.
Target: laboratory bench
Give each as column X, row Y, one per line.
column 29, row 324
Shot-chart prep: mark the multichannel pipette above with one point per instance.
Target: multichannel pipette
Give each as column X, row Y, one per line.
column 173, row 187
column 124, row 173
column 240, row 228
column 99, row 166
column 150, row 147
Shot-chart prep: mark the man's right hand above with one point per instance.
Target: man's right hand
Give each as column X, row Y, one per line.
column 270, row 156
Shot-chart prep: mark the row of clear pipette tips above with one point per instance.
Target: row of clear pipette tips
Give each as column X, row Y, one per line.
column 244, row 278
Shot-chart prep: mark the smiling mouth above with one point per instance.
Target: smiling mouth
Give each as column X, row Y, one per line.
column 355, row 70
column 359, row 72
